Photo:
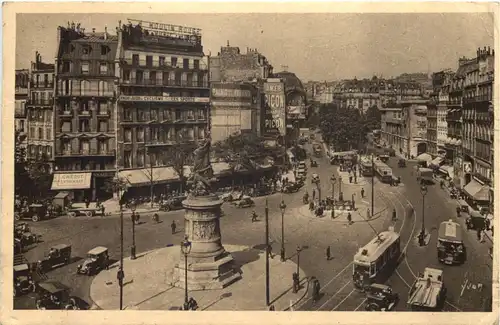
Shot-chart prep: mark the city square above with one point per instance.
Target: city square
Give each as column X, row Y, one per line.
column 151, row 174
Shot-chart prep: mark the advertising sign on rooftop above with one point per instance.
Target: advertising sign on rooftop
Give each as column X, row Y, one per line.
column 275, row 109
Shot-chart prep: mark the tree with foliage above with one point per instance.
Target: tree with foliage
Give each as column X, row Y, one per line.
column 340, row 127
column 180, row 157
column 372, row 119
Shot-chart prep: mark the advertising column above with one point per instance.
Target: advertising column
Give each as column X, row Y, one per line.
column 274, row 123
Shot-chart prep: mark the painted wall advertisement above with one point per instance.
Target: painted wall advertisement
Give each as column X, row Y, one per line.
column 274, row 108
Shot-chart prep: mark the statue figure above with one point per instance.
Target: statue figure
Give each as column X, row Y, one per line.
column 202, row 175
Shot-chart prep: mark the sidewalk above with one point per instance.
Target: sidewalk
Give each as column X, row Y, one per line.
column 360, row 181
column 112, row 206
column 150, row 279
column 359, row 215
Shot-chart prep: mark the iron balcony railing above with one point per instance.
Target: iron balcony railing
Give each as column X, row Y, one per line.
column 168, row 83
column 156, row 63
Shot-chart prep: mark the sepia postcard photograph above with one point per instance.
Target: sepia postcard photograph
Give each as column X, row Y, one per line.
column 275, row 163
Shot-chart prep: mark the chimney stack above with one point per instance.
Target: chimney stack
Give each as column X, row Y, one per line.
column 93, row 30
column 105, row 32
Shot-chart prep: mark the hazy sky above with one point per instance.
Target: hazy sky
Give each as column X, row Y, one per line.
column 314, row 46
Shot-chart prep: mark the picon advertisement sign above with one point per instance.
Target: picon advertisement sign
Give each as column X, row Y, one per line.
column 274, row 108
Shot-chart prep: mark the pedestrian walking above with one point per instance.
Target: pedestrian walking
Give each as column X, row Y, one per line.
column 479, row 234
column 103, row 210
column 350, row 178
column 362, row 193
column 394, row 215
column 328, row 256
column 173, row 226
column 311, row 205
column 314, row 194
column 368, row 214
column 349, row 218
column 87, row 203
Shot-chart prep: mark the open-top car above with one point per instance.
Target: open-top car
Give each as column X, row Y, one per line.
column 23, row 233
column 35, row 212
column 231, row 196
column 58, row 255
column 314, row 163
column 245, row 202
column 23, row 280
column 55, row 295
column 97, row 260
column 291, row 187
column 380, row 297
column 173, row 203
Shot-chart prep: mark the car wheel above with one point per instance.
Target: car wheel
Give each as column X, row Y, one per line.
column 35, row 218
column 89, row 214
column 17, row 216
column 15, row 292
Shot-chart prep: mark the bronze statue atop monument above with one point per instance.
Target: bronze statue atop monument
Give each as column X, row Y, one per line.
column 202, row 175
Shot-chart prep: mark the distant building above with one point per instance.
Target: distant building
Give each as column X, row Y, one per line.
column 21, row 97
column 40, row 110
column 358, row 94
column 296, row 99
column 85, row 115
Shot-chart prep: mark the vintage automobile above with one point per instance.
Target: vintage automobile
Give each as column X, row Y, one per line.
column 245, row 202
column 231, row 196
column 55, row 295
column 314, row 163
column 314, row 178
column 97, row 260
column 476, row 220
column 23, row 280
column 173, row 203
column 58, row 255
column 18, row 247
column 35, row 212
column 380, row 297
column 291, row 188
column 384, row 158
column 263, row 190
column 402, row 163
column 23, row 233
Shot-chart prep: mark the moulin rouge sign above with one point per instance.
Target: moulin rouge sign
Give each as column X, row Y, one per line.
column 166, row 29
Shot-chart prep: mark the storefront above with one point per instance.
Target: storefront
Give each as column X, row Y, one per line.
column 478, row 191
column 77, row 184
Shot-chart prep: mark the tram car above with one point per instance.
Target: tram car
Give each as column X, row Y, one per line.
column 375, row 261
column 450, row 244
column 383, row 171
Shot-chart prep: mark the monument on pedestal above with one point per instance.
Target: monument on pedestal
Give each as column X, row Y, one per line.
column 209, row 265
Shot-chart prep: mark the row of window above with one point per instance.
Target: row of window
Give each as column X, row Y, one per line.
column 163, row 114
column 88, row 67
column 39, row 115
column 162, row 134
column 38, row 134
column 483, row 151
column 84, row 164
column 83, row 146
column 40, row 151
column 86, row 106
column 45, row 80
column 85, row 87
column 84, row 127
column 139, row 158
column 163, row 61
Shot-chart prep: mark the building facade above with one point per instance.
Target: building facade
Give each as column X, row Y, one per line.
column 40, row 110
column 163, row 101
column 232, row 109
column 85, row 99
column 231, row 65
column 296, row 101
column 21, row 97
column 359, row 94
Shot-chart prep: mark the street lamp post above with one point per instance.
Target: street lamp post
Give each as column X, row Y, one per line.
column 282, row 252
column 120, row 275
column 423, row 191
column 318, row 186
column 132, row 249
column 186, row 249
column 340, row 184
column 267, row 254
column 299, row 249
column 334, row 180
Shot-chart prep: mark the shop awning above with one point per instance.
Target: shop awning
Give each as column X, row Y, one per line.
column 424, row 157
column 447, row 170
column 71, row 181
column 144, row 176
column 477, row 191
column 437, row 161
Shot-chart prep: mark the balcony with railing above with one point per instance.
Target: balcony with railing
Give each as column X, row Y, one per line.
column 64, row 152
column 165, row 83
column 41, row 84
column 84, row 113
column 157, row 64
column 40, row 102
column 85, row 93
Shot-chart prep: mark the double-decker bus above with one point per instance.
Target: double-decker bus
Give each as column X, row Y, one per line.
column 450, row 245
column 383, row 171
column 377, row 259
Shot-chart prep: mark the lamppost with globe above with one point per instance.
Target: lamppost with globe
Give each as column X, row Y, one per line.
column 299, row 249
column 421, row 237
column 186, row 249
column 333, row 179
column 282, row 251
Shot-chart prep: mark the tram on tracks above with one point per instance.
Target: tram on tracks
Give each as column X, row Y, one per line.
column 366, row 168
column 374, row 262
column 383, row 171
column 450, row 245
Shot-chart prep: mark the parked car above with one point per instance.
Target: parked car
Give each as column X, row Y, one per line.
column 35, row 212
column 291, row 188
column 58, row 255
column 314, row 163
column 314, row 178
column 23, row 280
column 173, row 203
column 55, row 295
column 380, row 297
column 245, row 202
column 18, row 247
column 231, row 196
column 23, row 233
column 97, row 260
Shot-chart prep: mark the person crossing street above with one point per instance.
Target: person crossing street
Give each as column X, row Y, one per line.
column 173, row 226
column 362, row 193
column 328, row 253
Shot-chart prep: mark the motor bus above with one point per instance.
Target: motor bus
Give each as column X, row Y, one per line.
column 450, row 245
column 375, row 261
column 366, row 168
column 383, row 171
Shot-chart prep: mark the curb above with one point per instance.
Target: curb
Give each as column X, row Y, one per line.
column 289, row 308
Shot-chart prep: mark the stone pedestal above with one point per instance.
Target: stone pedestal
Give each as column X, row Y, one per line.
column 209, row 265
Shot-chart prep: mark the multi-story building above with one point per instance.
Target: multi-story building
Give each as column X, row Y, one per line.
column 21, row 97
column 436, row 116
column 230, row 65
column 358, row 94
column 163, row 102
column 296, row 100
column 85, row 121
column 232, row 110
column 404, row 126
column 40, row 110
column 478, row 126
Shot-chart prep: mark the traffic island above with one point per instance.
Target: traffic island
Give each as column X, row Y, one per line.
column 422, row 241
column 358, row 215
column 151, row 283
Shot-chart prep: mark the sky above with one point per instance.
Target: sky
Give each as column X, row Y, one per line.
column 326, row 46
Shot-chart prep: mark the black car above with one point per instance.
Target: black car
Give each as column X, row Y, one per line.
column 97, row 260
column 57, row 256
column 291, row 188
column 173, row 203
column 380, row 297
